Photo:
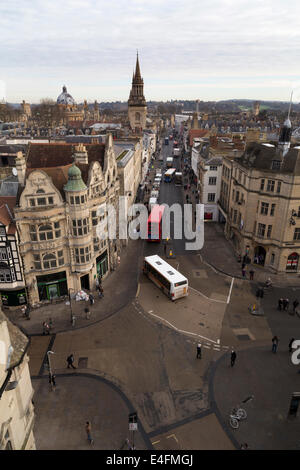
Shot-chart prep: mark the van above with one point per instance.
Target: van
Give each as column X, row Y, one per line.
column 152, row 202
column 154, row 193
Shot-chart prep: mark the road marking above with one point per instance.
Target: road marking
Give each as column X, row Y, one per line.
column 156, row 442
column 208, row 298
column 228, row 298
column 173, row 435
column 181, row 331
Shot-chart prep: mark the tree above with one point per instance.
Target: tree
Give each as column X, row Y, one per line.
column 48, row 113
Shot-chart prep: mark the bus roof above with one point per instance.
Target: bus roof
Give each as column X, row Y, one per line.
column 170, row 171
column 165, row 269
column 178, row 173
column 156, row 213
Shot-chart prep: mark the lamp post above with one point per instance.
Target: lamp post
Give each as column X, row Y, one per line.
column 71, row 311
column 50, row 368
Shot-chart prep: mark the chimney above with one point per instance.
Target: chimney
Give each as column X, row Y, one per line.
column 21, row 167
column 80, row 155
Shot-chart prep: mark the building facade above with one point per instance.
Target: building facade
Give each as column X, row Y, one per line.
column 64, row 198
column 261, row 196
column 16, row 392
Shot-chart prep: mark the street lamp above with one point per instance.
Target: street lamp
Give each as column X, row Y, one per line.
column 70, row 300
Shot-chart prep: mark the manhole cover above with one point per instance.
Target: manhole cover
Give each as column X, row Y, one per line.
column 82, row 362
column 243, row 337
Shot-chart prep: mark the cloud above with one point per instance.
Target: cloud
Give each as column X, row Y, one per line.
column 86, row 42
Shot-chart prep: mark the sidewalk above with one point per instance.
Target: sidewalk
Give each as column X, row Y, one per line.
column 119, row 288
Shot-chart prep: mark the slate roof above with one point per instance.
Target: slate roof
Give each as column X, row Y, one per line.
column 260, row 157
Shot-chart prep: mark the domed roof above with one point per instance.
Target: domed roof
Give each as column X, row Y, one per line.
column 75, row 182
column 287, row 123
column 65, row 97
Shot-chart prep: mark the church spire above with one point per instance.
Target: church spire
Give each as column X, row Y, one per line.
column 286, row 132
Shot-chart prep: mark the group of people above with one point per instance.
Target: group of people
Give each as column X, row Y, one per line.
column 283, row 304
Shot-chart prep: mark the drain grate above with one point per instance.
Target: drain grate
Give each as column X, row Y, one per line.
column 82, row 362
column 243, row 337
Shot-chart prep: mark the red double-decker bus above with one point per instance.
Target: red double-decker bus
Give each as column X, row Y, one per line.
column 155, row 223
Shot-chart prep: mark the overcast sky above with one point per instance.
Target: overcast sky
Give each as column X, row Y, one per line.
column 192, row 49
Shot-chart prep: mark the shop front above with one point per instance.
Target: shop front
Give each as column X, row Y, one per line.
column 102, row 264
column 52, row 286
column 13, row 298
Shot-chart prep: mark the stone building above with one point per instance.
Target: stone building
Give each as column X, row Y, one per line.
column 16, row 408
column 71, row 110
column 260, row 195
column 137, row 106
column 62, row 201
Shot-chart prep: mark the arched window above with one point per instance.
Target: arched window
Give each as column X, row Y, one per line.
column 40, row 191
column 45, row 232
column 49, row 261
column 292, row 262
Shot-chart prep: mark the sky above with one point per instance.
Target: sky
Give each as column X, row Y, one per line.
column 195, row 49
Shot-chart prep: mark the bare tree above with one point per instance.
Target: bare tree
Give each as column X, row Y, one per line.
column 48, row 113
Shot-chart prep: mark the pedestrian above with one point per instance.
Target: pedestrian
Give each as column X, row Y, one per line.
column 233, row 357
column 295, row 305
column 274, row 344
column 88, row 430
column 261, row 291
column 46, row 328
column 52, row 381
column 87, row 313
column 91, row 298
column 287, row 303
column 165, row 249
column 244, row 272
column 70, row 360
column 290, row 344
column 244, row 446
column 280, row 304
column 251, row 274
column 198, row 351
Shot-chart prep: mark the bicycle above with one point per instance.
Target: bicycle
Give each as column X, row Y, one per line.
column 236, row 415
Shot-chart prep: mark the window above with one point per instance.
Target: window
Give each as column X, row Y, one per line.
column 264, row 208
column 37, row 261
column 261, row 230
column 297, row 234
column 272, row 258
column 50, row 200
column 80, row 227
column 272, row 209
column 57, row 229
column 41, row 201
column 60, row 257
column 3, row 254
column 237, row 196
column 72, row 200
column 82, row 199
column 49, row 261
column 32, row 202
column 214, row 168
column 96, row 244
column 212, row 181
column 77, row 200
column 278, row 187
column 234, row 216
column 83, row 255
column 211, row 197
column 94, row 218
column 271, row 185
column 262, row 184
column 269, row 231
column 276, row 164
column 45, row 232
column 244, row 179
column 40, row 191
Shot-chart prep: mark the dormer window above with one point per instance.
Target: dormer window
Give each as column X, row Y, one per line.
column 276, row 164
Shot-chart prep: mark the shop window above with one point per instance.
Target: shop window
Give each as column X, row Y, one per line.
column 49, row 261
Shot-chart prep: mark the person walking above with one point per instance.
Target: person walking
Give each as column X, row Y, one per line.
column 198, row 351
column 233, row 357
column 290, row 344
column 243, row 272
column 46, row 328
column 295, row 305
column 88, row 430
column 251, row 274
column 91, row 298
column 52, row 381
column 274, row 344
column 70, row 360
column 280, row 303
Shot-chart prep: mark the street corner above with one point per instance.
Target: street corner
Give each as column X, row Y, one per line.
column 202, row 433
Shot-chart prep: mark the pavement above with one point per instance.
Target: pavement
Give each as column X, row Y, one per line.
column 119, row 287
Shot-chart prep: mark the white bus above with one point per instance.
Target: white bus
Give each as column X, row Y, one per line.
column 170, row 281
column 169, row 175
